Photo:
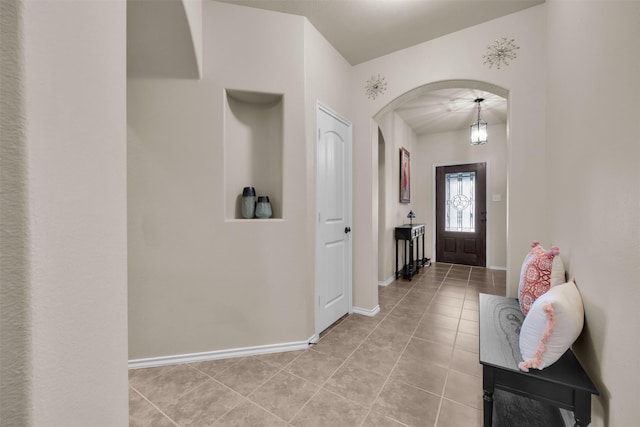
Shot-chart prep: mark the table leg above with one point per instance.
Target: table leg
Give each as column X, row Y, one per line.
column 397, row 274
column 418, row 263
column 418, row 259
column 488, row 388
column 582, row 411
column 412, row 267
column 407, row 265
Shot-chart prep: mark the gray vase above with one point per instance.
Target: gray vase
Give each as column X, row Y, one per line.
column 263, row 207
column 248, row 202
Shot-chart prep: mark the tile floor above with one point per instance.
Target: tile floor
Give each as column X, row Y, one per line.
column 414, row 364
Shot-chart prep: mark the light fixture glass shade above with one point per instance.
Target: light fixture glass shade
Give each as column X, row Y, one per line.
column 479, row 127
column 479, row 132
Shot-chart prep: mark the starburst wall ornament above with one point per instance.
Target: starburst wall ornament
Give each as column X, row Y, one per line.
column 500, row 52
column 375, row 86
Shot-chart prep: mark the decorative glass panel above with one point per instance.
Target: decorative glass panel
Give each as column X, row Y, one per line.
column 460, row 194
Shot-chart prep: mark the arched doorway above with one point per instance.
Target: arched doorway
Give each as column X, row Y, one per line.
column 422, row 129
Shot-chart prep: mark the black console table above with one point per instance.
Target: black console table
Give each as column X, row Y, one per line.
column 564, row 384
column 409, row 233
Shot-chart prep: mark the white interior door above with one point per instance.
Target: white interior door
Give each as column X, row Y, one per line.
column 333, row 206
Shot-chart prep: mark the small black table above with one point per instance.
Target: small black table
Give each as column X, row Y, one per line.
column 408, row 233
column 564, row 384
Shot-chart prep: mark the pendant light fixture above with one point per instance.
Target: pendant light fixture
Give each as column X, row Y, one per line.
column 479, row 128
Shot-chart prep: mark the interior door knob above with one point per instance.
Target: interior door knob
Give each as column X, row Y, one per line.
column 347, row 230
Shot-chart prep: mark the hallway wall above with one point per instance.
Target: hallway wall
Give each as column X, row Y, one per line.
column 200, row 280
column 458, row 56
column 63, row 214
column 397, row 135
column 592, row 159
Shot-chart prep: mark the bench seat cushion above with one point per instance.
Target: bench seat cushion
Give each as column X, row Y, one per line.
column 552, row 325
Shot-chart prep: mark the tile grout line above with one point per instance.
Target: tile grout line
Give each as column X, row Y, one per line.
column 449, row 368
column 240, row 395
column 248, row 396
column 321, row 387
column 175, row 399
column 345, row 361
column 212, row 378
column 444, row 386
column 405, row 346
column 282, row 370
column 154, row 405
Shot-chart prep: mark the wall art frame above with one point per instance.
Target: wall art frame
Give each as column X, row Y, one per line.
column 405, row 176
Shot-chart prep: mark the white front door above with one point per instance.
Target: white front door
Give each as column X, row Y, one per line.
column 333, row 211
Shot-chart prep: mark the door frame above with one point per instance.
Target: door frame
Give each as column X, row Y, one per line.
column 349, row 192
column 487, row 206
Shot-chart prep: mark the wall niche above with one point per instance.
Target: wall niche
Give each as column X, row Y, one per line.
column 253, row 149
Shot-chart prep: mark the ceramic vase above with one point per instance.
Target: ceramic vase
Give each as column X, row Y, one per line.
column 263, row 207
column 248, row 202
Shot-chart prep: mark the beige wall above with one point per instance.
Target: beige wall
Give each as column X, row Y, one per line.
column 67, row 146
column 15, row 339
column 397, row 134
column 193, row 13
column 594, row 187
column 200, row 281
column 458, row 56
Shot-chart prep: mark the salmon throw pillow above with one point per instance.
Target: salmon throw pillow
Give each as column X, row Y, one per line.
column 536, row 274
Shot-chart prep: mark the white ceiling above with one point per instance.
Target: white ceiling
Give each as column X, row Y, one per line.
column 366, row 29
column 446, row 110
column 362, row 30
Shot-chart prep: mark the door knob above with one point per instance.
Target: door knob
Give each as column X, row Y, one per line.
column 347, row 230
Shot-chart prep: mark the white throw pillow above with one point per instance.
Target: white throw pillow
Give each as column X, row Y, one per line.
column 552, row 325
column 557, row 271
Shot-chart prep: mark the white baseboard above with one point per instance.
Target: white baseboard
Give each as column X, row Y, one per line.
column 219, row 354
column 367, row 312
column 387, row 282
column 495, row 267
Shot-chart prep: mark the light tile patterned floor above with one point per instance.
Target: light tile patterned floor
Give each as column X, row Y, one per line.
column 414, row 364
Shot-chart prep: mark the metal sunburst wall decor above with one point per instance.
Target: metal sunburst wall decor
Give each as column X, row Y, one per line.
column 375, row 86
column 500, row 52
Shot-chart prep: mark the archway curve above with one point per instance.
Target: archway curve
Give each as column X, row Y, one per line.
column 443, row 84
column 417, row 92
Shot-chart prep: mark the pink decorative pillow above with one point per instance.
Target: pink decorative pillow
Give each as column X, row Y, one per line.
column 535, row 276
column 551, row 327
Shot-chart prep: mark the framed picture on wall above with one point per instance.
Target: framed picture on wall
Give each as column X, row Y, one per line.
column 405, row 176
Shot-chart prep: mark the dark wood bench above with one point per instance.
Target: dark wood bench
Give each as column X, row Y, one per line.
column 564, row 384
